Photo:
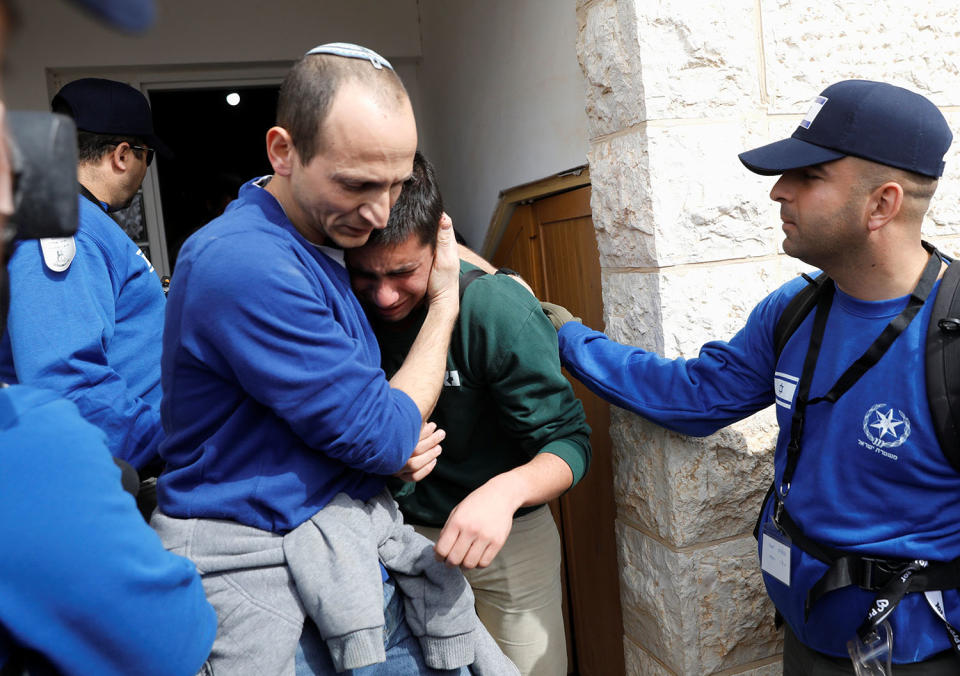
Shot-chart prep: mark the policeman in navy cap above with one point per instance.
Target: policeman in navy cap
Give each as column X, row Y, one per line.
column 858, row 532
column 88, row 312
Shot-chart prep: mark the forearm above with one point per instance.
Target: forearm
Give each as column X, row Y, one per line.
column 725, row 383
column 421, row 376
column 478, row 527
column 474, row 258
column 542, row 479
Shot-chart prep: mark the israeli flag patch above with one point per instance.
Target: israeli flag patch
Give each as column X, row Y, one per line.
column 815, row 107
column 784, row 386
column 58, row 252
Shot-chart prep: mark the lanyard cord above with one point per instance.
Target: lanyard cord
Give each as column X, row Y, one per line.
column 868, row 359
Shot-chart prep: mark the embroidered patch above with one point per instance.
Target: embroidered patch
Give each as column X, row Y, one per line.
column 451, row 379
column 815, row 107
column 784, row 386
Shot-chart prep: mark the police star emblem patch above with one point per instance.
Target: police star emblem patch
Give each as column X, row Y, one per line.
column 885, row 426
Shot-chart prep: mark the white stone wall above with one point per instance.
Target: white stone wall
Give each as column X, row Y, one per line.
column 689, row 242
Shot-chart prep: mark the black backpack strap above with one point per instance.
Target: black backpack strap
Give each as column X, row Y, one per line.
column 796, row 311
column 467, row 278
column 943, row 364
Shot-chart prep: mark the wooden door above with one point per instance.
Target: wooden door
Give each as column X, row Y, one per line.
column 551, row 242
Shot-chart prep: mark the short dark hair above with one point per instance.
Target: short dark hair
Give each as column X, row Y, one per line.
column 416, row 212
column 91, row 147
column 308, row 90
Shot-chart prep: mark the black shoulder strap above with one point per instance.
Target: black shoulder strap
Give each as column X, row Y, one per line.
column 942, row 358
column 943, row 364
column 796, row 311
column 467, row 278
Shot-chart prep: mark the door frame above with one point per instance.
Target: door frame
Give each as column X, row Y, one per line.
column 527, row 192
column 147, row 79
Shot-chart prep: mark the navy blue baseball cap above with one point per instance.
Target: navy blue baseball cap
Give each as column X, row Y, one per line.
column 871, row 120
column 109, row 107
column 129, row 15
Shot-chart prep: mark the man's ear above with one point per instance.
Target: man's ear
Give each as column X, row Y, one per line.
column 280, row 151
column 885, row 203
column 120, row 157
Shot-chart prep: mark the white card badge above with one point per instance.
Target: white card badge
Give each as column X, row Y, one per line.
column 58, row 252
column 775, row 553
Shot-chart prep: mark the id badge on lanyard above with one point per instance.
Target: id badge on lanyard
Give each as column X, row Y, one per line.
column 775, row 553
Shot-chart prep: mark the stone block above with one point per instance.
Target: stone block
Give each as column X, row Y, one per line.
column 666, row 60
column 690, row 491
column 706, row 205
column 622, row 211
column 809, row 46
column 943, row 218
column 701, row 303
column 675, row 311
column 699, row 59
column 632, row 306
column 668, row 195
column 696, row 612
column 640, row 663
column 610, row 61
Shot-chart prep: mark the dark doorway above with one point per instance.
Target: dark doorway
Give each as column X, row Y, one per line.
column 216, row 146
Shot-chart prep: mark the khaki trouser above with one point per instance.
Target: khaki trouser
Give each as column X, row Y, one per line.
column 518, row 596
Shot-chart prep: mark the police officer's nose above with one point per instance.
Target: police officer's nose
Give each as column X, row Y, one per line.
column 780, row 191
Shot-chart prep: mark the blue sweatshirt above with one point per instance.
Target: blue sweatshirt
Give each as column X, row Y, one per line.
column 84, row 582
column 91, row 333
column 871, row 477
column 274, row 400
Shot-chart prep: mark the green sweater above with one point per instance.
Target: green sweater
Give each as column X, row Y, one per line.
column 504, row 399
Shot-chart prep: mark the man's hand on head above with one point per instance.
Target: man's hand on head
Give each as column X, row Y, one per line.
column 444, row 284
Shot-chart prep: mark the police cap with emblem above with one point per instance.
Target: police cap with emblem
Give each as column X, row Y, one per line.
column 871, row 120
